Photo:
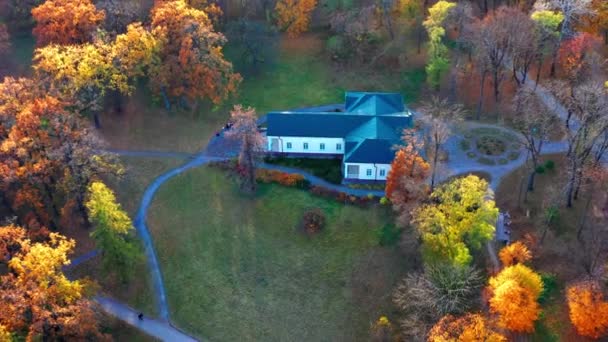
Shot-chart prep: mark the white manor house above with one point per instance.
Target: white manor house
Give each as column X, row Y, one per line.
column 362, row 133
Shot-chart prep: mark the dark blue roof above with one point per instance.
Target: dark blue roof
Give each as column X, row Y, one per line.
column 379, row 151
column 321, row 125
column 373, row 103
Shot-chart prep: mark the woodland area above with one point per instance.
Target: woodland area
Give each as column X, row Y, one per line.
column 99, row 98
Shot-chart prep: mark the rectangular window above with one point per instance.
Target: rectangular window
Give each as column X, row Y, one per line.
column 306, row 146
column 339, row 147
column 382, row 173
column 368, row 172
column 289, row 146
column 322, row 146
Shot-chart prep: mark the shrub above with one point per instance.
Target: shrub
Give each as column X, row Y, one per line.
column 471, row 155
column 282, row 178
column 513, row 155
column 337, row 48
column 486, row 161
column 502, row 161
column 384, row 201
column 465, row 145
column 370, row 196
column 550, row 165
column 388, row 235
column 540, row 169
column 549, row 287
column 313, row 221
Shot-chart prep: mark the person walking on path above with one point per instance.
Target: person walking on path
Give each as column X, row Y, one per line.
column 140, row 316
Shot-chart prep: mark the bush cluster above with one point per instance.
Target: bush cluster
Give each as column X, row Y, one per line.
column 282, row 178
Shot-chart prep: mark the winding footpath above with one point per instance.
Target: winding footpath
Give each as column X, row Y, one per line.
column 161, row 328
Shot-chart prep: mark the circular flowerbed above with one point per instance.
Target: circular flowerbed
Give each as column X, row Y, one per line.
column 491, row 145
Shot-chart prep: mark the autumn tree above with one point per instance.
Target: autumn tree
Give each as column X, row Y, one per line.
column 515, row 253
column 120, row 14
column 573, row 11
column 112, row 229
column 293, row 16
column 492, row 42
column 514, row 297
column 548, row 35
column 524, row 47
column 406, row 180
column 588, row 309
column 460, row 216
column 40, row 300
column 597, row 19
column 442, row 289
column 469, row 327
column 439, row 62
column 572, row 56
column 440, row 115
column 245, row 129
column 66, row 22
column 82, row 75
column 258, row 41
column 5, row 42
column 191, row 63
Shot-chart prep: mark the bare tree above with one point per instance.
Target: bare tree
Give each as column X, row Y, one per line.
column 588, row 105
column 534, row 121
column 121, row 13
column 245, row 129
column 439, row 116
column 524, row 49
column 573, row 10
column 423, row 298
column 493, row 43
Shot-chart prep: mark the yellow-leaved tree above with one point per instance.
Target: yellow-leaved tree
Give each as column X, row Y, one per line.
column 460, row 215
column 514, row 297
column 112, row 228
column 37, row 298
column 588, row 309
column 467, row 328
column 294, row 15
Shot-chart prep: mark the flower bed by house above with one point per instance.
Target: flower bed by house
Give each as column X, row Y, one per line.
column 298, row 181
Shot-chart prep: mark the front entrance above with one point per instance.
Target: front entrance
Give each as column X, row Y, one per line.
column 352, row 171
column 274, row 145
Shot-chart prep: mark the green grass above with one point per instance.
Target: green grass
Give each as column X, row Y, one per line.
column 328, row 169
column 413, row 81
column 236, row 268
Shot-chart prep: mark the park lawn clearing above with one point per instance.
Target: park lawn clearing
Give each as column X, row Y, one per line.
column 237, row 268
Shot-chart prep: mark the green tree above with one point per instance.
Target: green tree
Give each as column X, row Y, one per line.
column 112, row 229
column 439, row 61
column 460, row 216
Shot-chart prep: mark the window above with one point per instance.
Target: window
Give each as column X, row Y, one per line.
column 289, row 146
column 368, row 172
column 382, row 173
column 322, row 146
column 339, row 147
column 306, row 146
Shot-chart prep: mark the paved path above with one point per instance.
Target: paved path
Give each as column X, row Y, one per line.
column 159, row 329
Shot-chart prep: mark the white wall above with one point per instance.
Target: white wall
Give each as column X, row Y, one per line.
column 376, row 171
column 297, row 145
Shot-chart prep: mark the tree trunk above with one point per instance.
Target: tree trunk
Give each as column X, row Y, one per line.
column 163, row 92
column 482, row 88
column 579, row 180
column 387, row 14
column 570, row 187
column 419, row 39
column 435, row 157
column 540, row 67
column 96, row 120
column 553, row 64
column 583, row 218
column 531, row 180
column 496, row 86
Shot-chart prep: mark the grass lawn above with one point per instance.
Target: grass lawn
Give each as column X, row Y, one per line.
column 236, row 268
column 122, row 331
column 328, row 169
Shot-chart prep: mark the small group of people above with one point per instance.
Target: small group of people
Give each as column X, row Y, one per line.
column 226, row 127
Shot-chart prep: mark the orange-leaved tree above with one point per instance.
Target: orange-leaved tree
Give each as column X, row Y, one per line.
column 294, row 15
column 588, row 309
column 191, row 65
column 66, row 22
column 406, row 180
column 515, row 253
column 39, row 299
column 467, row 328
column 514, row 297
